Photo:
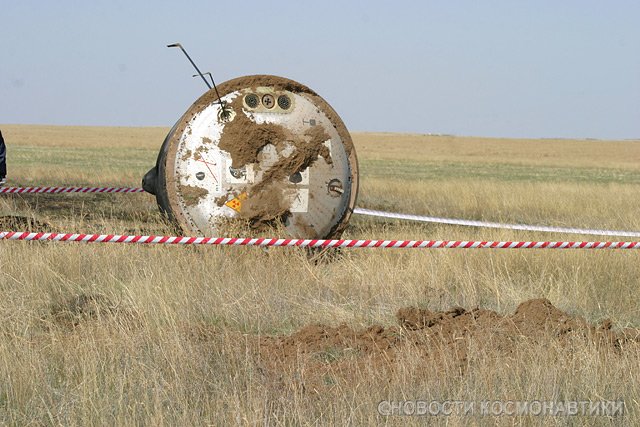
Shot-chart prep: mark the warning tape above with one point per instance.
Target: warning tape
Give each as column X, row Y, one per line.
column 311, row 243
column 360, row 211
column 56, row 190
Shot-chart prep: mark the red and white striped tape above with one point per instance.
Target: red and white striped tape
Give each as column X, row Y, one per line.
column 360, row 211
column 312, row 243
column 56, row 190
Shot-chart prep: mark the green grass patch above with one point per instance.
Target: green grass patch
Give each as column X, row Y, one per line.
column 107, row 160
column 446, row 171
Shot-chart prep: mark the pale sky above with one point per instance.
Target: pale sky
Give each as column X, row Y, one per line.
column 483, row 68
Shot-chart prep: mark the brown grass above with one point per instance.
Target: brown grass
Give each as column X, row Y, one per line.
column 115, row 334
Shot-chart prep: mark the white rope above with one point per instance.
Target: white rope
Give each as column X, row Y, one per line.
column 485, row 224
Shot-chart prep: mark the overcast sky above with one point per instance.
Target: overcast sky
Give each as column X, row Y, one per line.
column 484, row 68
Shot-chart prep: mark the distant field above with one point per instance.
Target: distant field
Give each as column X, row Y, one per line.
column 100, row 334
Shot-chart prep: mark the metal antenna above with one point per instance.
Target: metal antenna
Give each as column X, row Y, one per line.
column 224, row 112
column 210, row 76
column 192, row 63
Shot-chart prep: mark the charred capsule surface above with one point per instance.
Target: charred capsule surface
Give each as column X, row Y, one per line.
column 267, row 151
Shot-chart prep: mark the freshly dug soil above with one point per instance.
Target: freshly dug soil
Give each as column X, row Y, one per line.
column 438, row 339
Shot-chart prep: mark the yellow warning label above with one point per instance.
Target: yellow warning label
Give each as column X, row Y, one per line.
column 236, row 202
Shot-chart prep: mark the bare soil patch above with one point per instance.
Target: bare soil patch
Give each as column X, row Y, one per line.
column 87, row 308
column 440, row 340
column 22, row 223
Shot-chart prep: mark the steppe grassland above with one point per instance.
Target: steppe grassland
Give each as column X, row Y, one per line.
column 142, row 365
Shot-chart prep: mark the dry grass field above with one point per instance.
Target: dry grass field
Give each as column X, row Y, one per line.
column 150, row 335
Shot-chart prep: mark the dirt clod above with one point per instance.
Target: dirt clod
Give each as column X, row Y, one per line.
column 266, row 205
column 436, row 338
column 243, row 139
column 192, row 195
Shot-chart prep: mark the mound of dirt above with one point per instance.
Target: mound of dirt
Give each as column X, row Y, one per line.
column 439, row 338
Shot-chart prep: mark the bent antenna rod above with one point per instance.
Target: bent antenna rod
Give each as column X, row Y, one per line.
column 198, row 70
